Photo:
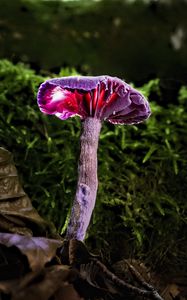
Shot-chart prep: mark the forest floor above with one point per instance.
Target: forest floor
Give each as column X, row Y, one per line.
column 36, row 263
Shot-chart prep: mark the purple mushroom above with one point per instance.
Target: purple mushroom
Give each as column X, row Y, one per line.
column 94, row 99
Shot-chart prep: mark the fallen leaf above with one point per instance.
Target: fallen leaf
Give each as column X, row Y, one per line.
column 38, row 250
column 55, row 282
column 17, row 215
column 13, row 264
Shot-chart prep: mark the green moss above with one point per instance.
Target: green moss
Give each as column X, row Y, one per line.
column 142, row 169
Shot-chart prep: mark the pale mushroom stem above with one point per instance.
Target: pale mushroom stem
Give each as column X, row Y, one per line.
column 87, row 184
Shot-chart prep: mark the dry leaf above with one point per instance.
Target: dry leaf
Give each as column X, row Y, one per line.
column 54, row 282
column 51, row 283
column 38, row 250
column 17, row 215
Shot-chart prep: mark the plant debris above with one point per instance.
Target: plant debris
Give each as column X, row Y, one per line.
column 38, row 267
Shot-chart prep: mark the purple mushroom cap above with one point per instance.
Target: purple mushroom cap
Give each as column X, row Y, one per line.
column 102, row 97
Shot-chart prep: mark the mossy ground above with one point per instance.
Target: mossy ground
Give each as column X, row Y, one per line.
column 140, row 208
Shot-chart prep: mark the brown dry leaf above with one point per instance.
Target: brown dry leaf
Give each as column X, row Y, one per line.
column 17, row 214
column 78, row 253
column 13, row 264
column 50, row 283
column 38, row 250
column 121, row 268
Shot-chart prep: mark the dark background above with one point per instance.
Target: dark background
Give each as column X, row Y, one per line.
column 136, row 41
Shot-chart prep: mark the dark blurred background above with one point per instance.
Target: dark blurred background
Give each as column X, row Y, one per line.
column 135, row 40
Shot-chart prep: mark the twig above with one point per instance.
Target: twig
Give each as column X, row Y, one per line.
column 149, row 292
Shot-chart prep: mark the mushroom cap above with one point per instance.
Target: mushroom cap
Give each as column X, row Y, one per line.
column 102, row 97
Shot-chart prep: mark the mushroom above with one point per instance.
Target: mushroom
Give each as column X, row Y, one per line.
column 94, row 99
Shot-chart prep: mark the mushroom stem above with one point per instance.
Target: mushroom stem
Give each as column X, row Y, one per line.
column 87, row 184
